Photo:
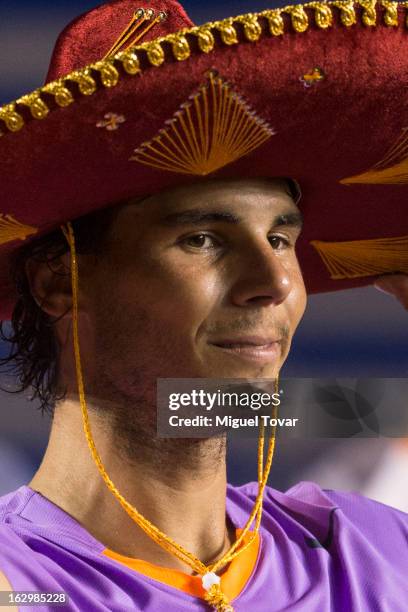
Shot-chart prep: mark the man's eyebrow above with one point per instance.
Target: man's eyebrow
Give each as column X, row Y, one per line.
column 198, row 216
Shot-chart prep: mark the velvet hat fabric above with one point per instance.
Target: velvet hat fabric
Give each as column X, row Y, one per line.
column 139, row 99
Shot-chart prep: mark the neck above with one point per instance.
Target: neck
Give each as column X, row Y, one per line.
column 178, row 485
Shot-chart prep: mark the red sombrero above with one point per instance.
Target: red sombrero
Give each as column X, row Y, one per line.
column 141, row 100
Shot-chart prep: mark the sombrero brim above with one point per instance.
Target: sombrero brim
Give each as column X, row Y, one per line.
column 331, row 90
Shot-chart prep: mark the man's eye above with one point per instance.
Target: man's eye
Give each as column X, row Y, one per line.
column 200, row 241
column 279, row 242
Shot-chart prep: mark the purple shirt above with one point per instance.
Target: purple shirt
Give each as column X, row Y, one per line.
column 319, row 551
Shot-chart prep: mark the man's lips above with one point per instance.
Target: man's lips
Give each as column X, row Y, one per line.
column 255, row 348
column 253, row 340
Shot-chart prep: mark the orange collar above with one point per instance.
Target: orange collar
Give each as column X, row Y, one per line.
column 233, row 580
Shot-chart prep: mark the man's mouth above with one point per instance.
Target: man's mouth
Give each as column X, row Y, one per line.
column 254, row 348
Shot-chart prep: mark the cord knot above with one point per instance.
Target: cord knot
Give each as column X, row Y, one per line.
column 216, row 598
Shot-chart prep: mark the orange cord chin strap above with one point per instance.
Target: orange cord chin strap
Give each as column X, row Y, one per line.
column 211, row 582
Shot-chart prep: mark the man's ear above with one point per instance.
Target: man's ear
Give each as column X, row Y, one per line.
column 50, row 284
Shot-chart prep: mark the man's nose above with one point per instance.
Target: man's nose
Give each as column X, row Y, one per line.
column 262, row 277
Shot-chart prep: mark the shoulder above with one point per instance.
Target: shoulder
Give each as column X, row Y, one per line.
column 13, row 503
column 309, row 494
column 18, row 541
column 356, row 507
column 5, row 584
column 375, row 519
column 13, row 547
column 343, row 512
column 27, row 560
column 11, row 507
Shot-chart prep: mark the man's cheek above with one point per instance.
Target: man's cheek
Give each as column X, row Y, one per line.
column 296, row 305
column 299, row 289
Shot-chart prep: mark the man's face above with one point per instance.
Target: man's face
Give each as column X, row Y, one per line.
column 202, row 281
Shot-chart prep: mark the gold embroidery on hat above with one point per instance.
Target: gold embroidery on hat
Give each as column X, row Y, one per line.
column 391, row 15
column 275, row 20
column 130, row 61
column 180, row 47
column 111, row 121
column 252, row 28
column 359, row 258
column 108, row 73
column 323, row 16
column 300, row 21
column 37, row 106
column 63, row 97
column 154, row 51
column 187, row 40
column 370, row 13
column 228, row 32
column 132, row 34
column 86, row 83
column 392, row 169
column 347, row 13
column 11, row 229
column 13, row 120
column 214, row 128
column 312, row 77
column 205, row 39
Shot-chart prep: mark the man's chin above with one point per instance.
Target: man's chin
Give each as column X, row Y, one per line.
column 228, row 371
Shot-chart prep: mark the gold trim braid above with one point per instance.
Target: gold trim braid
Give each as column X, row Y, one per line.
column 232, row 31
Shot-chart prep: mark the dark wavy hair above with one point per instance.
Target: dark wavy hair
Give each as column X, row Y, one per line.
column 33, row 355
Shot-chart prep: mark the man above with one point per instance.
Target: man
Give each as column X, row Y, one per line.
column 189, row 278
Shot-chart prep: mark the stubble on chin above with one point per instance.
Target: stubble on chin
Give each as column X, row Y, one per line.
column 123, row 393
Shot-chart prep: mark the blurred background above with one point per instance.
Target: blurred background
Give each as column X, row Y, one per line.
column 354, row 333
